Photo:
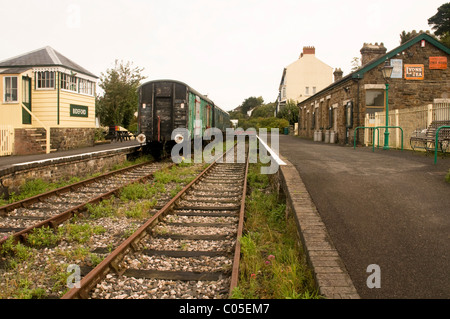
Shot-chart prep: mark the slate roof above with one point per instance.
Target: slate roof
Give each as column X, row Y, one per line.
column 46, row 56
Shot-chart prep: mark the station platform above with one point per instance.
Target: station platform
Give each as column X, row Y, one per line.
column 385, row 210
column 12, row 163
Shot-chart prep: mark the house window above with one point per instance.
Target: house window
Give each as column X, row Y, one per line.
column 85, row 87
column 68, row 82
column 374, row 101
column 307, row 90
column 10, row 89
column 314, row 90
column 45, row 80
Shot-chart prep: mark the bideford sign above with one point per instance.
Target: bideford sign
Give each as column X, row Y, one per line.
column 79, row 110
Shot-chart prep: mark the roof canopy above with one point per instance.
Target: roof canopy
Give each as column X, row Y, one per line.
column 47, row 57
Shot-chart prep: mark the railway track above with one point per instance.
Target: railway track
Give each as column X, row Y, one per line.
column 54, row 207
column 189, row 249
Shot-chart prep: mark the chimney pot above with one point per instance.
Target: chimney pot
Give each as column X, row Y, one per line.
column 309, row 50
column 338, row 74
column 371, row 51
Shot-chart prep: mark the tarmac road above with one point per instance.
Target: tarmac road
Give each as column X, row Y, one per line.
column 388, row 208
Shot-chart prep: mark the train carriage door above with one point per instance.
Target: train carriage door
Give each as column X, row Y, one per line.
column 198, row 119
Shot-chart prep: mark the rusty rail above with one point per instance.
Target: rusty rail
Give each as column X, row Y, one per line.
column 111, row 262
column 237, row 250
column 28, row 201
column 60, row 218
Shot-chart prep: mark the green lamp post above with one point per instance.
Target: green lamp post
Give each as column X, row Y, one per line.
column 387, row 73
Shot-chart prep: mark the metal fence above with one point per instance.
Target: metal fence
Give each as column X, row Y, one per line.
column 414, row 121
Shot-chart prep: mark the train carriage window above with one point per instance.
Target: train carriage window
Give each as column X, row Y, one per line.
column 208, row 116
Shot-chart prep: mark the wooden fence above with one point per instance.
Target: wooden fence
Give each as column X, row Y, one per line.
column 6, row 140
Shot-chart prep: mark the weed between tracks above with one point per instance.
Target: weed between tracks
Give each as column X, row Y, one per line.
column 38, row 268
column 272, row 264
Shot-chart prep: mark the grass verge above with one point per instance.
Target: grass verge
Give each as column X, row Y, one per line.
column 273, row 265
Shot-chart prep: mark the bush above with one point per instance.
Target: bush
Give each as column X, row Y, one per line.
column 261, row 122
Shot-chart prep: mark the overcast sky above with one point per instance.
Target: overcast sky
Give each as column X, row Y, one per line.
column 228, row 49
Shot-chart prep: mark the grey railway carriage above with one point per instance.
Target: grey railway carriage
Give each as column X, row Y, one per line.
column 165, row 105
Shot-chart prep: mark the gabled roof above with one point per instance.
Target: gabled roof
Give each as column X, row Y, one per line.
column 423, row 36
column 46, row 56
column 359, row 74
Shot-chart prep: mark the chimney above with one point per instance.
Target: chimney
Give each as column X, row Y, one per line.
column 338, row 75
column 308, row 50
column 371, row 51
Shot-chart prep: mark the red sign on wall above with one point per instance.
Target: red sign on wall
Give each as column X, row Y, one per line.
column 438, row 62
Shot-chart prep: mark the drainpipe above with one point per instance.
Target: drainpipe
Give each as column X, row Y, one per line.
column 358, row 109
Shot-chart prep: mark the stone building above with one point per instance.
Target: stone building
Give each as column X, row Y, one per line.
column 48, row 103
column 303, row 78
column 420, row 76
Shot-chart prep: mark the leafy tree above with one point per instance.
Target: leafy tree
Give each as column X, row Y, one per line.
column 406, row 36
column 289, row 112
column 251, row 103
column 265, row 110
column 356, row 64
column 120, row 99
column 440, row 23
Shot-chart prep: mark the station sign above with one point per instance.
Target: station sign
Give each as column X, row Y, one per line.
column 414, row 71
column 438, row 62
column 79, row 111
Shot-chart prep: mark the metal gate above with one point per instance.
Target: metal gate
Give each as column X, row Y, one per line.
column 6, row 140
column 441, row 110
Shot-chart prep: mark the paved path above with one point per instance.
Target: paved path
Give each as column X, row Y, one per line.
column 388, row 208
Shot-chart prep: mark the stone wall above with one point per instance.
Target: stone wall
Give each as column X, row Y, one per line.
column 70, row 138
column 29, row 141
column 55, row 170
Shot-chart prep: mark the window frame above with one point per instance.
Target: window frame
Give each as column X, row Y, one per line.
column 39, row 80
column 11, row 89
column 69, row 83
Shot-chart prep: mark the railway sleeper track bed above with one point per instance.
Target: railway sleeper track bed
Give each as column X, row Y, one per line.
column 54, row 207
column 86, row 239
column 189, row 249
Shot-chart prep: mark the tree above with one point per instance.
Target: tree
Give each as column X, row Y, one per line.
column 265, row 110
column 440, row 23
column 251, row 103
column 120, row 99
column 289, row 112
column 356, row 64
column 406, row 36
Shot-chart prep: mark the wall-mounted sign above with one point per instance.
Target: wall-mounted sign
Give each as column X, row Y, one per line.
column 397, row 72
column 79, row 110
column 438, row 62
column 414, row 71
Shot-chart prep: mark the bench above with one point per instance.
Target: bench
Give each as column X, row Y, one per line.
column 119, row 135
column 426, row 139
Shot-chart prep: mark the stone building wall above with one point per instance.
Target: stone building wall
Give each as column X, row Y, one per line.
column 402, row 93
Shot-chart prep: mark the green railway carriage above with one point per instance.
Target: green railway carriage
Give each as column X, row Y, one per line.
column 165, row 105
